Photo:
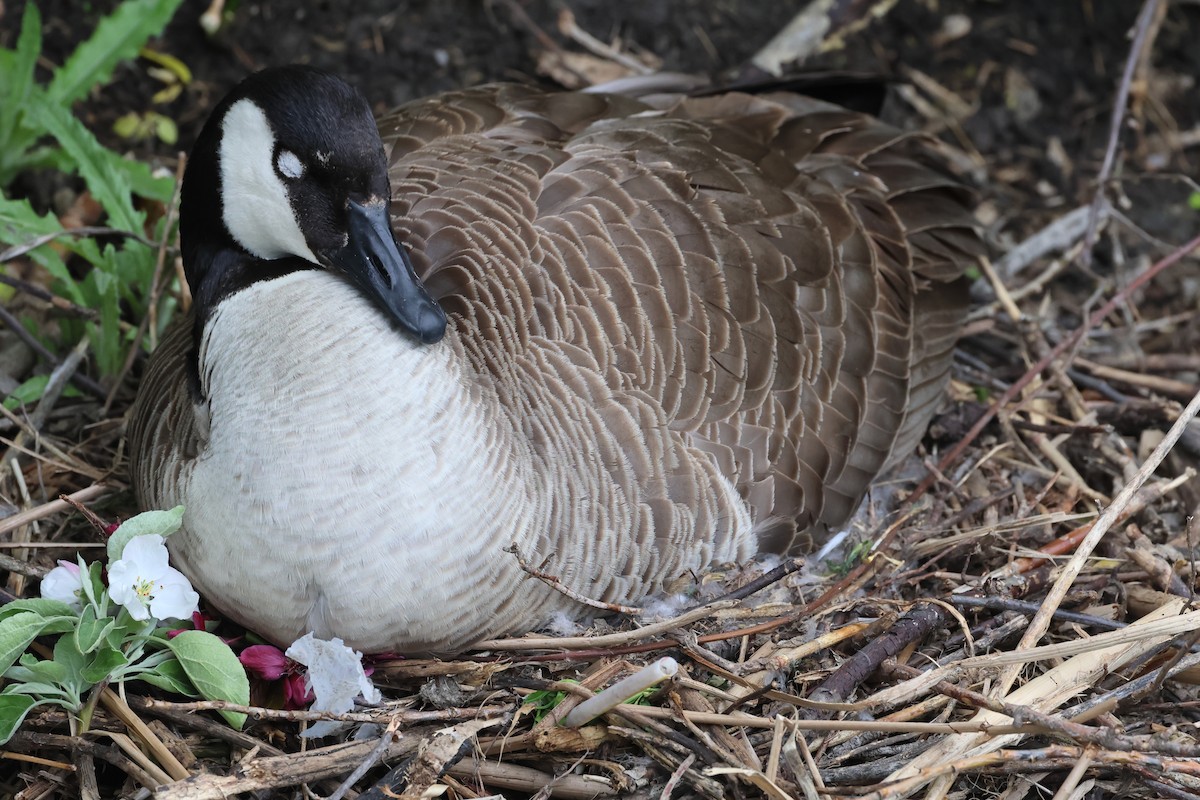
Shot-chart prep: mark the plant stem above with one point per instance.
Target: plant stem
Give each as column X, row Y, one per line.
column 89, row 708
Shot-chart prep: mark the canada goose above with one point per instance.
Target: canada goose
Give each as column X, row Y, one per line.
column 629, row 339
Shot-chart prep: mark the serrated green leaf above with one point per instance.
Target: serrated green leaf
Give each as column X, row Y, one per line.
column 146, row 184
column 169, row 676
column 160, row 523
column 42, row 606
column 118, row 37
column 214, row 670
column 103, row 663
column 15, row 92
column 13, row 708
column 19, row 223
column 102, row 169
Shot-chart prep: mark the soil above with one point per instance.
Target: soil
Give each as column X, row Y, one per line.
column 1038, row 78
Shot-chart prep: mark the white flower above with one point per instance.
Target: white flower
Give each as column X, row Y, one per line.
column 143, row 582
column 335, row 673
column 64, row 583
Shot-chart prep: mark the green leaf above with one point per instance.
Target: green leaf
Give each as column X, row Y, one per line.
column 19, row 223
column 103, row 289
column 161, row 523
column 214, row 670
column 69, row 657
column 35, row 671
column 32, row 390
column 117, row 38
column 145, row 184
column 14, row 95
column 103, row 663
column 43, row 688
column 93, row 585
column 42, row 606
column 102, row 169
column 17, row 631
column 91, row 631
column 1194, row 201
column 13, row 708
column 169, row 676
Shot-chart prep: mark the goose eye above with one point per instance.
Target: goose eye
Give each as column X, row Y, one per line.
column 288, row 164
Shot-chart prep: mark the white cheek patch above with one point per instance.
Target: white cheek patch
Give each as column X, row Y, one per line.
column 289, row 164
column 256, row 209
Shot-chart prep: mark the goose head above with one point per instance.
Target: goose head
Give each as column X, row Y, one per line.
column 289, row 173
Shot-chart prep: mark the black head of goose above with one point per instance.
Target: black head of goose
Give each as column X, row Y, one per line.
column 631, row 340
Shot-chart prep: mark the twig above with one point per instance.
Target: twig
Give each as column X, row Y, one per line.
column 150, row 320
column 59, row 302
column 79, row 379
column 162, row 755
column 84, row 231
column 287, row 770
column 554, row 582
column 1058, row 236
column 259, row 712
column 53, row 507
column 677, row 776
column 619, row 692
column 569, row 28
column 610, row 640
column 1045, row 361
column 763, row 581
column 385, row 741
column 1070, row 571
column 1141, row 38
column 526, row 779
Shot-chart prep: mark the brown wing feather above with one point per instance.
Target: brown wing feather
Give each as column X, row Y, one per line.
column 762, row 288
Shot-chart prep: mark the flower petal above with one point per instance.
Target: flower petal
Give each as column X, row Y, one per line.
column 264, row 661
column 174, row 600
column 335, row 673
column 149, row 553
column 63, row 583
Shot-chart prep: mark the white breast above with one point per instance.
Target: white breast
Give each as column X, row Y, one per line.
column 351, row 465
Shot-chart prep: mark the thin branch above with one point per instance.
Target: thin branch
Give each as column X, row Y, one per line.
column 1150, row 11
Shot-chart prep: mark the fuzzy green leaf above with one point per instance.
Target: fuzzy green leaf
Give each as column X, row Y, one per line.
column 13, row 708
column 117, row 38
column 214, row 670
column 17, row 631
column 104, row 662
column 91, row 631
column 160, row 523
column 43, row 606
column 35, row 671
column 169, row 676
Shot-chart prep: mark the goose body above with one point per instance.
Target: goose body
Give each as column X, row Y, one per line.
column 629, row 339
